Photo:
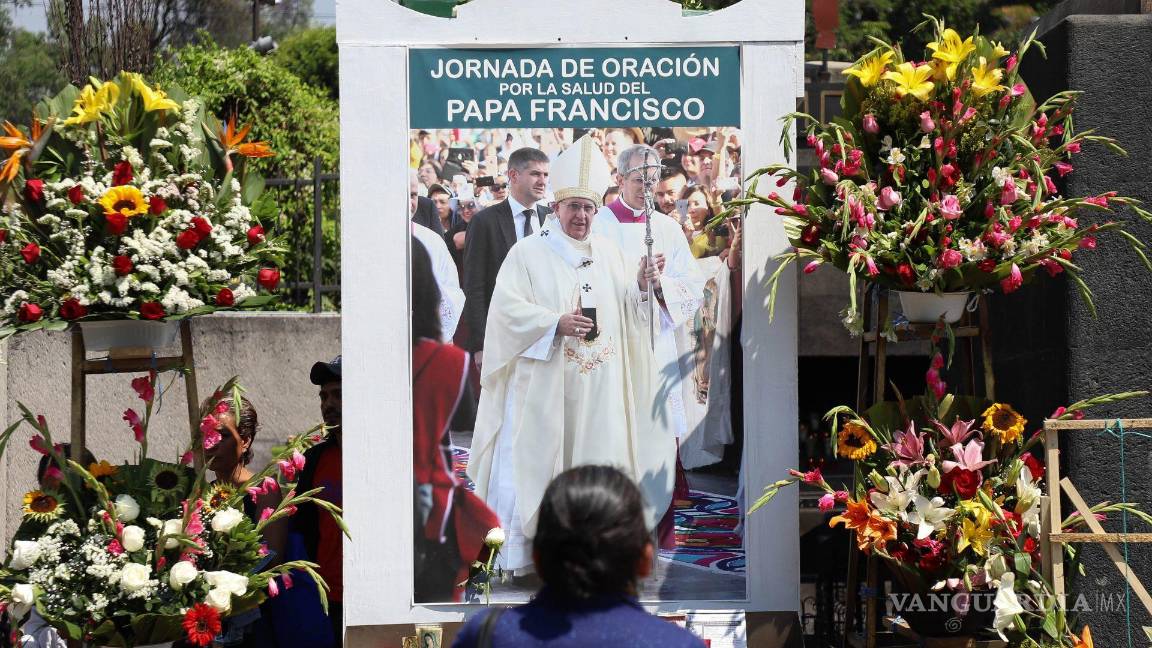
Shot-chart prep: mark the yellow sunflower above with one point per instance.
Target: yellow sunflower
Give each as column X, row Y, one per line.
column 42, row 506
column 1003, row 421
column 124, row 200
column 855, row 442
column 219, row 497
column 102, row 469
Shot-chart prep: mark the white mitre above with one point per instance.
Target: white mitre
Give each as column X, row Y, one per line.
column 580, row 171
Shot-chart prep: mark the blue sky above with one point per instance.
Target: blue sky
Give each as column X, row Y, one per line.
column 32, row 18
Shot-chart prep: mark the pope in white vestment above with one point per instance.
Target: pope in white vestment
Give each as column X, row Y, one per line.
column 551, row 397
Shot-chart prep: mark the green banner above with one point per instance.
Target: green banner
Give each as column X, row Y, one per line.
column 582, row 87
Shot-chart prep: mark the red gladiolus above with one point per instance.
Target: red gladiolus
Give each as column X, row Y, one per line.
column 1013, row 281
column 122, row 265
column 157, row 206
column 121, row 174
column 31, row 253
column 201, row 624
column 29, row 312
column 906, row 274
column 117, row 223
column 187, row 239
column 151, row 310
column 72, row 309
column 134, row 422
column 143, row 387
column 225, row 298
column 34, row 190
column 76, row 194
column 255, row 235
column 268, row 278
column 1035, row 466
column 202, row 226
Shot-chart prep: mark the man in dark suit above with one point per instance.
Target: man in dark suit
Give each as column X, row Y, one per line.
column 493, row 231
column 422, row 210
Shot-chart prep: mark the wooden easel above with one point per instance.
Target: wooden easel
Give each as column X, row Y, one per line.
column 142, row 362
column 1052, row 537
column 871, row 388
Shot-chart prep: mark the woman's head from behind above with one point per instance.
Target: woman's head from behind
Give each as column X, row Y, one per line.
column 591, row 539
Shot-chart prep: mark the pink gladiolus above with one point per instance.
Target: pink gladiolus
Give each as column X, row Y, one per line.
column 870, row 125
column 872, row 269
column 828, row 176
column 939, row 389
column 812, row 266
column 989, row 210
column 1050, row 186
column 968, row 114
column 1008, row 195
column 270, row 485
column 161, row 563
column 801, row 210
column 211, row 439
column 811, row 139
column 813, row 476
column 266, row 513
column 1013, row 281
column 134, row 422
column 187, row 458
column 222, row 408
column 827, row 502
column 254, row 492
column 52, row 472
column 1088, row 242
column 950, row 207
column 38, row 444
column 1004, row 101
column 1073, row 147
column 841, row 496
column 263, row 550
column 1014, row 223
column 926, row 123
column 273, row 589
column 950, row 259
column 888, row 199
column 143, row 387
column 938, row 361
column 1099, row 201
column 932, row 375
column 1052, row 266
column 1063, row 168
column 287, row 578
column 1010, row 65
column 115, row 548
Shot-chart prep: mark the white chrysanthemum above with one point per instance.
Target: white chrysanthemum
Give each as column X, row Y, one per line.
column 973, row 250
column 14, row 300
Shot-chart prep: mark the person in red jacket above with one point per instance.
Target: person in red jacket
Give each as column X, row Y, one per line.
column 450, row 521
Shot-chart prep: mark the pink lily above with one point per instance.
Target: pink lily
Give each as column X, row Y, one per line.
column 908, row 446
column 968, row 457
column 955, row 435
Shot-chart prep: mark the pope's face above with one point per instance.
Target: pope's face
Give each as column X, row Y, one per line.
column 576, row 216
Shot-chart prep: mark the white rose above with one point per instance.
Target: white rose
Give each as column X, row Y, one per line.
column 495, row 537
column 181, row 574
column 220, row 599
column 134, row 577
column 172, row 527
column 226, row 520
column 126, row 508
column 132, row 538
column 23, row 598
column 24, row 554
column 227, row 581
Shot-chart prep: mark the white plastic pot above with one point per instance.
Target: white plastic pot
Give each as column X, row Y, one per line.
column 927, row 307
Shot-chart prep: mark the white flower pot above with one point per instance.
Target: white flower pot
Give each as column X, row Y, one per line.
column 129, row 337
column 927, row 307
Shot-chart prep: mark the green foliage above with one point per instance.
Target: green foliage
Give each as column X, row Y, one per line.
column 312, row 56
column 29, row 64
column 297, row 121
column 893, row 21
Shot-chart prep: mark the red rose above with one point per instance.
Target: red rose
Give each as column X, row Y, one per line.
column 122, row 265
column 72, row 309
column 1035, row 466
column 202, row 226
column 987, row 265
column 76, row 194
column 31, row 253
column 3, row 235
column 151, row 310
column 188, row 239
column 268, row 277
column 255, row 235
column 965, row 483
column 907, row 276
column 29, row 312
column 34, row 190
column 121, row 174
column 116, row 222
column 225, row 298
column 156, row 205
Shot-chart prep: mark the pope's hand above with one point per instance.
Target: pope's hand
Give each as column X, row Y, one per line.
column 652, row 273
column 574, row 325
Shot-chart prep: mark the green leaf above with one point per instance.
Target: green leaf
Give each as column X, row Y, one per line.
column 1023, row 564
column 1050, row 627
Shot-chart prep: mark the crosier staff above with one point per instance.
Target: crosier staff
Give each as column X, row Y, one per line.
column 650, row 180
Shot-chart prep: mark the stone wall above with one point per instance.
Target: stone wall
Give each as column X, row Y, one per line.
column 271, row 352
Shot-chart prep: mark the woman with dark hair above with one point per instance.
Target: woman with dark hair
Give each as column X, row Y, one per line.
column 706, row 238
column 450, row 522
column 591, row 549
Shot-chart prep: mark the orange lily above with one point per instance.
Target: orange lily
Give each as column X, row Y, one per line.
column 233, row 142
column 1085, row 639
column 13, row 140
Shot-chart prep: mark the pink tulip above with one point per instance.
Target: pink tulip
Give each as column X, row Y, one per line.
column 888, row 199
column 827, row 502
column 926, row 123
column 950, row 259
column 1013, row 281
column 870, row 125
column 950, row 207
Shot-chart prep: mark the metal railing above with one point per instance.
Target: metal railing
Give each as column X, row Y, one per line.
column 309, row 214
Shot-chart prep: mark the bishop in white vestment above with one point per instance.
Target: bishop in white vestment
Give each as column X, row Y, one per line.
column 560, row 387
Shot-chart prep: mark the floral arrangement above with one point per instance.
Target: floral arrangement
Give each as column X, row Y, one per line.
column 948, row 494
column 942, row 175
column 124, row 201
column 148, row 552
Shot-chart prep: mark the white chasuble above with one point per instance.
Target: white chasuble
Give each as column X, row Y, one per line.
column 683, row 287
column 549, row 403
